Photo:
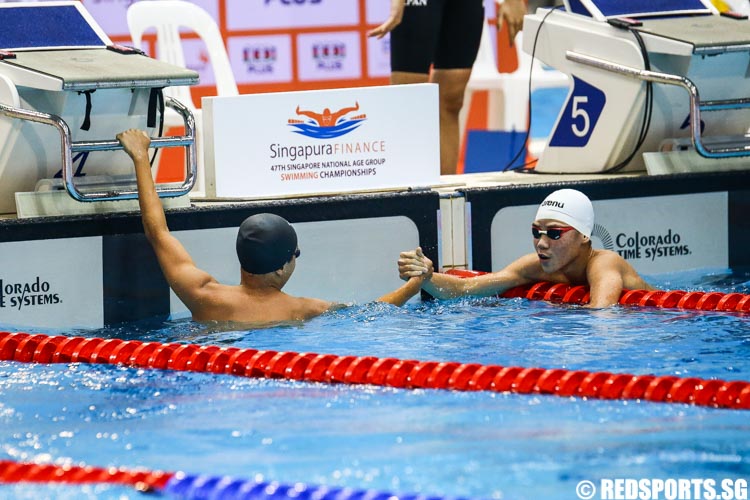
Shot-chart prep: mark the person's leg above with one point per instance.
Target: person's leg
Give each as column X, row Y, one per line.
column 406, row 77
column 413, row 43
column 457, row 46
column 451, row 88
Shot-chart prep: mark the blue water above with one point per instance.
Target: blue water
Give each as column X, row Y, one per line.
column 480, row 445
column 546, row 104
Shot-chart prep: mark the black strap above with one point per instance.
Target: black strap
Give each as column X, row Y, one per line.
column 155, row 100
column 87, row 119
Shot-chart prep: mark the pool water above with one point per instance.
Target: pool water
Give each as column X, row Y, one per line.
column 434, row 442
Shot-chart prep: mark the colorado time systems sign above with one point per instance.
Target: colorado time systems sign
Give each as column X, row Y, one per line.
column 639, row 245
column 31, row 293
column 656, row 234
column 36, row 291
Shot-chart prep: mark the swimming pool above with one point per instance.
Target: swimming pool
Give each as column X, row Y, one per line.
column 433, row 442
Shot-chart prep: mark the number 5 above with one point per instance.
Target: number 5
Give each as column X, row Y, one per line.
column 579, row 111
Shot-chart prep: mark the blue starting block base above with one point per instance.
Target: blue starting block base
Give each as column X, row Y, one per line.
column 492, row 150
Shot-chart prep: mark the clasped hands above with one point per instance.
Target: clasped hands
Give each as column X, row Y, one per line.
column 413, row 264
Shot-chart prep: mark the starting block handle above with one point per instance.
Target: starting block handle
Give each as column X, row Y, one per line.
column 67, row 147
column 695, row 103
column 160, row 142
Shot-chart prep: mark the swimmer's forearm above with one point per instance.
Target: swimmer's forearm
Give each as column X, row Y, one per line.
column 152, row 212
column 444, row 286
column 400, row 296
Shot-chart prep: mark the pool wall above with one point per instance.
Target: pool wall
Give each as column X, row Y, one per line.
column 91, row 271
column 96, row 270
column 660, row 224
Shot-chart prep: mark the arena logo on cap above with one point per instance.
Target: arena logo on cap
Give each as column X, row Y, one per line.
column 553, row 203
column 327, row 124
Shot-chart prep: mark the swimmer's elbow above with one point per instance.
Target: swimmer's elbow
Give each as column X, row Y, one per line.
column 598, row 306
column 602, row 303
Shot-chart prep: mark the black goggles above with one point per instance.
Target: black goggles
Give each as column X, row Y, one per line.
column 553, row 233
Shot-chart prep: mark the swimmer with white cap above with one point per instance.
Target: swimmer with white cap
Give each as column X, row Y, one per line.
column 561, row 233
column 266, row 248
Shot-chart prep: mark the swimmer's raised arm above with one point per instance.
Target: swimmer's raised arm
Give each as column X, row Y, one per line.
column 185, row 278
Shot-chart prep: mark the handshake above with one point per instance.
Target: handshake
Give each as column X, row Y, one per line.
column 414, row 264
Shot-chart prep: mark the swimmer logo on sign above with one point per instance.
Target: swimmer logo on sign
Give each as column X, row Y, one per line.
column 326, row 124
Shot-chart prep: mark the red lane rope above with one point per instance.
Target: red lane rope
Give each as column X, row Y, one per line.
column 577, row 294
column 14, row 472
column 390, row 372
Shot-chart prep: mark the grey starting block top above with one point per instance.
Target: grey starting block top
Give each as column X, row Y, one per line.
column 709, row 34
column 59, row 46
column 85, row 69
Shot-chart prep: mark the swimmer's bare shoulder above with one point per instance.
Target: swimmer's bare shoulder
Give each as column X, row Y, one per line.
column 311, row 308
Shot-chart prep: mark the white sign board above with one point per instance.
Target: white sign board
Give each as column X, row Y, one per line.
column 655, row 234
column 323, row 141
column 52, row 283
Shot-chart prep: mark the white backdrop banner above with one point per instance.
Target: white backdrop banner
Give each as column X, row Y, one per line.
column 271, row 14
column 324, row 141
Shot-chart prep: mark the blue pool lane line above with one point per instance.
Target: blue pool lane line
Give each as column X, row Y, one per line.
column 225, row 488
column 191, row 486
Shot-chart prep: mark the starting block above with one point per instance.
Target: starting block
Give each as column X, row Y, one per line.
column 65, row 91
column 646, row 75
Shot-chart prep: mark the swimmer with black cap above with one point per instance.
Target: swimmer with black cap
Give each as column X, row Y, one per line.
column 265, row 242
column 266, row 248
column 561, row 233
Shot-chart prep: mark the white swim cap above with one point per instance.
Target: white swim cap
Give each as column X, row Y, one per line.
column 569, row 206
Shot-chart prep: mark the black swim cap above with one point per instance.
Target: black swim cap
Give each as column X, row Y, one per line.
column 265, row 242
